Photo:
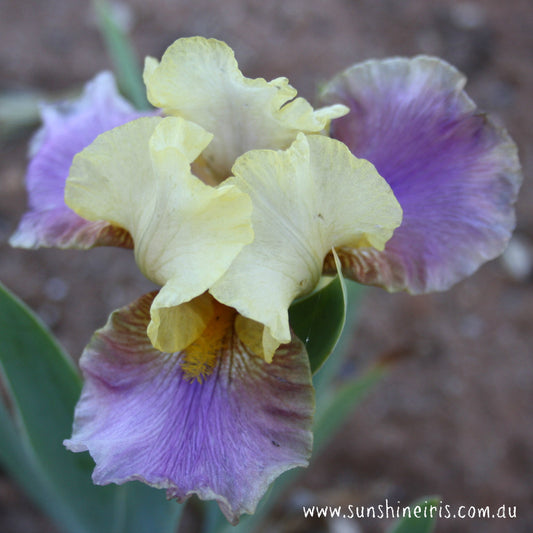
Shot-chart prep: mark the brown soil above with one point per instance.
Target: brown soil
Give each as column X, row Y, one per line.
column 454, row 418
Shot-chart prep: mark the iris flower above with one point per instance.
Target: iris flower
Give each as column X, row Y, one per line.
column 235, row 201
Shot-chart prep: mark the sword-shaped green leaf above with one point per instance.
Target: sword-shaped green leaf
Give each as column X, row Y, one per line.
column 423, row 517
column 318, row 319
column 42, row 387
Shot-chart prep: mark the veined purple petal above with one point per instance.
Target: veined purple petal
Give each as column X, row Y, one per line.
column 68, row 127
column 455, row 174
column 224, row 437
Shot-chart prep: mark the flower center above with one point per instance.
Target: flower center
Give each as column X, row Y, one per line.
column 201, row 170
column 201, row 357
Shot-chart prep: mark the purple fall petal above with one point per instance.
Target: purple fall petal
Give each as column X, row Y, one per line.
column 69, row 127
column 226, row 439
column 455, row 174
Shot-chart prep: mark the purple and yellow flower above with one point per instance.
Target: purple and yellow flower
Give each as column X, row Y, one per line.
column 220, row 388
column 236, row 202
column 68, row 127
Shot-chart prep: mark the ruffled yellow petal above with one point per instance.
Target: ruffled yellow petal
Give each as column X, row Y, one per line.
column 199, row 79
column 256, row 337
column 173, row 328
column 185, row 233
column 308, row 199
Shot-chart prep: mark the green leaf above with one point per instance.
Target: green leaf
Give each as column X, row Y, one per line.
column 423, row 517
column 42, row 387
column 122, row 54
column 336, row 408
column 322, row 380
column 19, row 111
column 213, row 519
column 318, row 320
column 15, row 459
column 147, row 509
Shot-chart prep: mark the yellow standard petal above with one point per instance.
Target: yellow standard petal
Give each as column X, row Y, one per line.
column 307, row 200
column 199, row 79
column 185, row 233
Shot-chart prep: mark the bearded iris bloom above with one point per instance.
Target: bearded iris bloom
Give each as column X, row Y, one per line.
column 224, row 408
column 236, row 202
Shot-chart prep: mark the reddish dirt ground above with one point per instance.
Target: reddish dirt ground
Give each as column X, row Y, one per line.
column 453, row 417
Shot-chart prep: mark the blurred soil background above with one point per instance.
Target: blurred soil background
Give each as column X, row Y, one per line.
column 454, row 416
